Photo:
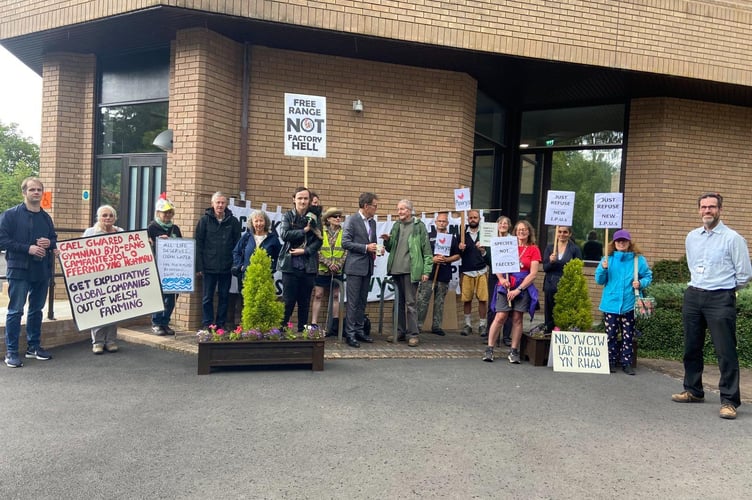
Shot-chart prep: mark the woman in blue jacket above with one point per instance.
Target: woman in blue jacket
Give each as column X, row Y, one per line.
column 616, row 272
column 258, row 234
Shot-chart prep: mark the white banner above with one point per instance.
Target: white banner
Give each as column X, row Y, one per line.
column 243, row 210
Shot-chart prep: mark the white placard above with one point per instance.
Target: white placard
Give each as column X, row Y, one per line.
column 443, row 244
column 583, row 352
column 505, row 258
column 176, row 263
column 305, row 125
column 110, row 278
column 462, row 199
column 607, row 210
column 486, row 231
column 560, row 208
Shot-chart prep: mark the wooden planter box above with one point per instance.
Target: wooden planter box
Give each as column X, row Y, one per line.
column 260, row 353
column 535, row 349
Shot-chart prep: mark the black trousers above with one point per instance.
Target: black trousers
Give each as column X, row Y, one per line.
column 296, row 289
column 716, row 311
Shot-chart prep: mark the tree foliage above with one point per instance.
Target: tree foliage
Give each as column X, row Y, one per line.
column 572, row 309
column 261, row 309
column 19, row 158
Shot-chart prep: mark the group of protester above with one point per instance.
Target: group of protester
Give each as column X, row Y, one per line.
column 311, row 256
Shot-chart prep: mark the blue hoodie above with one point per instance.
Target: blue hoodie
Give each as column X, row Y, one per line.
column 618, row 295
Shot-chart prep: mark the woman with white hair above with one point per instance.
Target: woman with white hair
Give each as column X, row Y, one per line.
column 104, row 338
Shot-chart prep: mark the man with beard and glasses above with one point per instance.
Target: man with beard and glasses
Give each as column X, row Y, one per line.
column 474, row 277
column 718, row 261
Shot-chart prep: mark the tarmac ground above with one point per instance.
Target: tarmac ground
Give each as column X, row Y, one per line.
column 140, row 423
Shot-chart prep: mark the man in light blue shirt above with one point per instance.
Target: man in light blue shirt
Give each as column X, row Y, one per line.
column 719, row 265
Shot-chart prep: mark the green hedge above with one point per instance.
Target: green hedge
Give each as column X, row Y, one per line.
column 663, row 333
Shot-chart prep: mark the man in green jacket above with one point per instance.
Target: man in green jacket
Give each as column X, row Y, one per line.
column 410, row 261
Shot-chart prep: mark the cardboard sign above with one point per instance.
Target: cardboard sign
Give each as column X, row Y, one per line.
column 607, row 210
column 462, row 199
column 110, row 278
column 305, row 125
column 583, row 352
column 505, row 258
column 176, row 263
column 560, row 208
column 443, row 245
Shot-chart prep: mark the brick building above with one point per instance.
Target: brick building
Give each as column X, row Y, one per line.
column 513, row 98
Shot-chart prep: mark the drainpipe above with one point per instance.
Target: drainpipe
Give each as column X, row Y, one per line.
column 244, row 121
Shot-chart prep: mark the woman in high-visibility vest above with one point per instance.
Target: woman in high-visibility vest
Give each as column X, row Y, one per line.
column 331, row 263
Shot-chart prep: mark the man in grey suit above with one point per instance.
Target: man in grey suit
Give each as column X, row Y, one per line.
column 359, row 240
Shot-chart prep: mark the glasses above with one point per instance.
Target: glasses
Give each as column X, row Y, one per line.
column 107, row 215
column 372, row 205
column 34, row 190
column 335, row 216
column 621, row 241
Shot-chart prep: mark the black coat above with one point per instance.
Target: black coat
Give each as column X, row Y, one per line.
column 215, row 240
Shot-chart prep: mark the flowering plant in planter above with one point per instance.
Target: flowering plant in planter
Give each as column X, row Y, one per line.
column 214, row 334
column 262, row 312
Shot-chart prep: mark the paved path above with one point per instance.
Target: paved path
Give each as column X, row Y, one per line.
column 141, row 424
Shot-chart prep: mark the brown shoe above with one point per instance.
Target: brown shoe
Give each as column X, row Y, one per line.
column 686, row 397
column 413, row 342
column 728, row 411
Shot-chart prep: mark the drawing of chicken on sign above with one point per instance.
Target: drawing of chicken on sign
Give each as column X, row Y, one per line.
column 110, row 278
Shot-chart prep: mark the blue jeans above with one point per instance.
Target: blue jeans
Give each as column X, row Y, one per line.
column 221, row 283
column 162, row 318
column 18, row 291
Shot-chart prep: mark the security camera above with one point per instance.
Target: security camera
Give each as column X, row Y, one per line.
column 164, row 140
column 358, row 106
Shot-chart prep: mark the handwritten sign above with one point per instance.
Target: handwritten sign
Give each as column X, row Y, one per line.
column 443, row 245
column 560, row 208
column 487, row 230
column 504, row 255
column 305, row 125
column 583, row 352
column 176, row 263
column 607, row 210
column 110, row 278
column 462, row 199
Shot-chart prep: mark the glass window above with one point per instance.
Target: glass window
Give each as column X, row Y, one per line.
column 586, row 172
column 131, row 128
column 585, row 126
column 110, row 182
column 144, row 76
column 531, row 169
column 490, row 119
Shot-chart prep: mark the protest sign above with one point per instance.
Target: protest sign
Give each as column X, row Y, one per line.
column 504, row 255
column 607, row 210
column 305, row 125
column 583, row 352
column 110, row 278
column 176, row 263
column 560, row 208
column 462, row 199
column 487, row 231
column 443, row 244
